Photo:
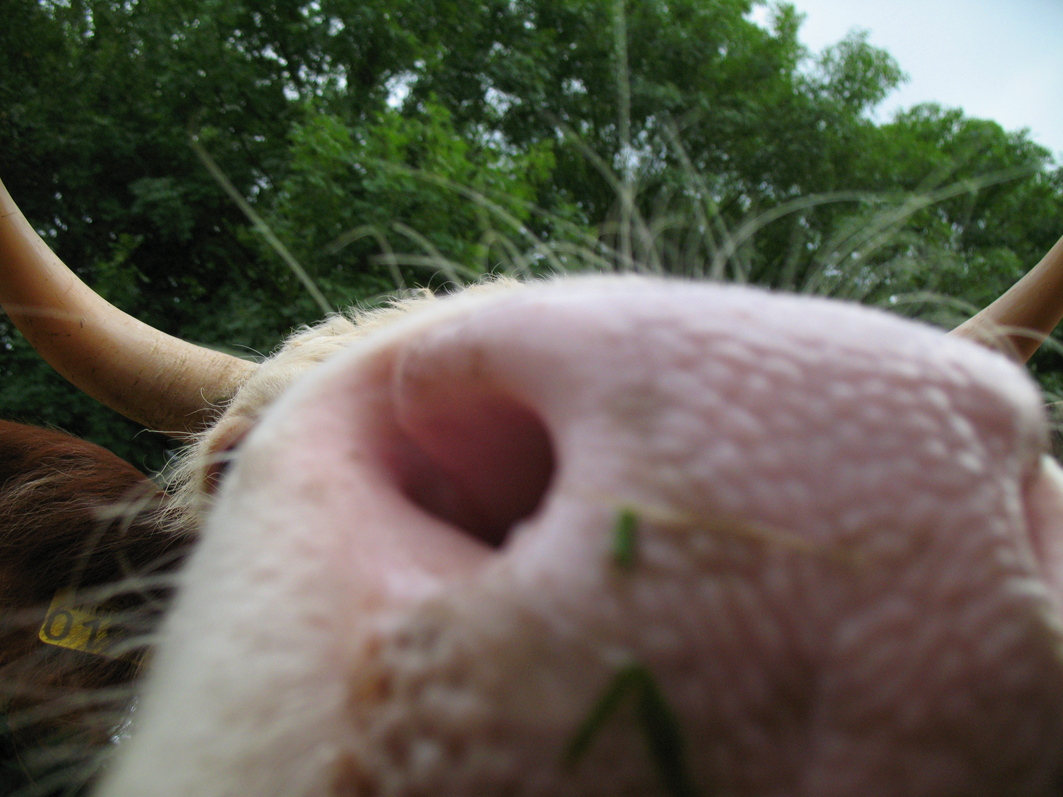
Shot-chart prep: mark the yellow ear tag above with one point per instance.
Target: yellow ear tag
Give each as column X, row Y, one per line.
column 83, row 628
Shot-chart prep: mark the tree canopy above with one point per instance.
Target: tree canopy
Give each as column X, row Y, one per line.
column 389, row 143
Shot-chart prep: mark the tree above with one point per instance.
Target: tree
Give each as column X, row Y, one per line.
column 379, row 137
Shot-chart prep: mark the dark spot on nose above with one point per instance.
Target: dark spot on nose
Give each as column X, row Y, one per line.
column 222, row 455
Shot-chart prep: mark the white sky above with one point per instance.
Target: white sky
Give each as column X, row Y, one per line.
column 996, row 59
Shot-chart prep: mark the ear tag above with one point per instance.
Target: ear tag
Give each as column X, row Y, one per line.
column 83, row 628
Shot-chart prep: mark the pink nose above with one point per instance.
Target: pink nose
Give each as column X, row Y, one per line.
column 625, row 536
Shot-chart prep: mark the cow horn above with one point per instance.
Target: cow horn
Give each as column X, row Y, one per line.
column 150, row 377
column 1020, row 320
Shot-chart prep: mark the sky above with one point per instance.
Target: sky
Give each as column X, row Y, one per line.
column 996, row 59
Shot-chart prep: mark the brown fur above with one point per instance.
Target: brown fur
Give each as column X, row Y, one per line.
column 72, row 515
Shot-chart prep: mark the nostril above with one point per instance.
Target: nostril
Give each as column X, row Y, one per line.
column 482, row 463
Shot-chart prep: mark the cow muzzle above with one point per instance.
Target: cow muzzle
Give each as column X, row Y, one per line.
column 631, row 536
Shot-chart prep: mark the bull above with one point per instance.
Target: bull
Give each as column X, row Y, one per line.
column 597, row 536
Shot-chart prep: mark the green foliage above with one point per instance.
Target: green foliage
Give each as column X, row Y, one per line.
column 391, row 200
column 655, row 719
column 625, row 539
column 402, row 142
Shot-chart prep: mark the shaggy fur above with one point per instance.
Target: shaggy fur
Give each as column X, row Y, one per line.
column 72, row 516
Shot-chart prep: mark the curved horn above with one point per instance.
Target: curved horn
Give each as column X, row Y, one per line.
column 1020, row 320
column 150, row 377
